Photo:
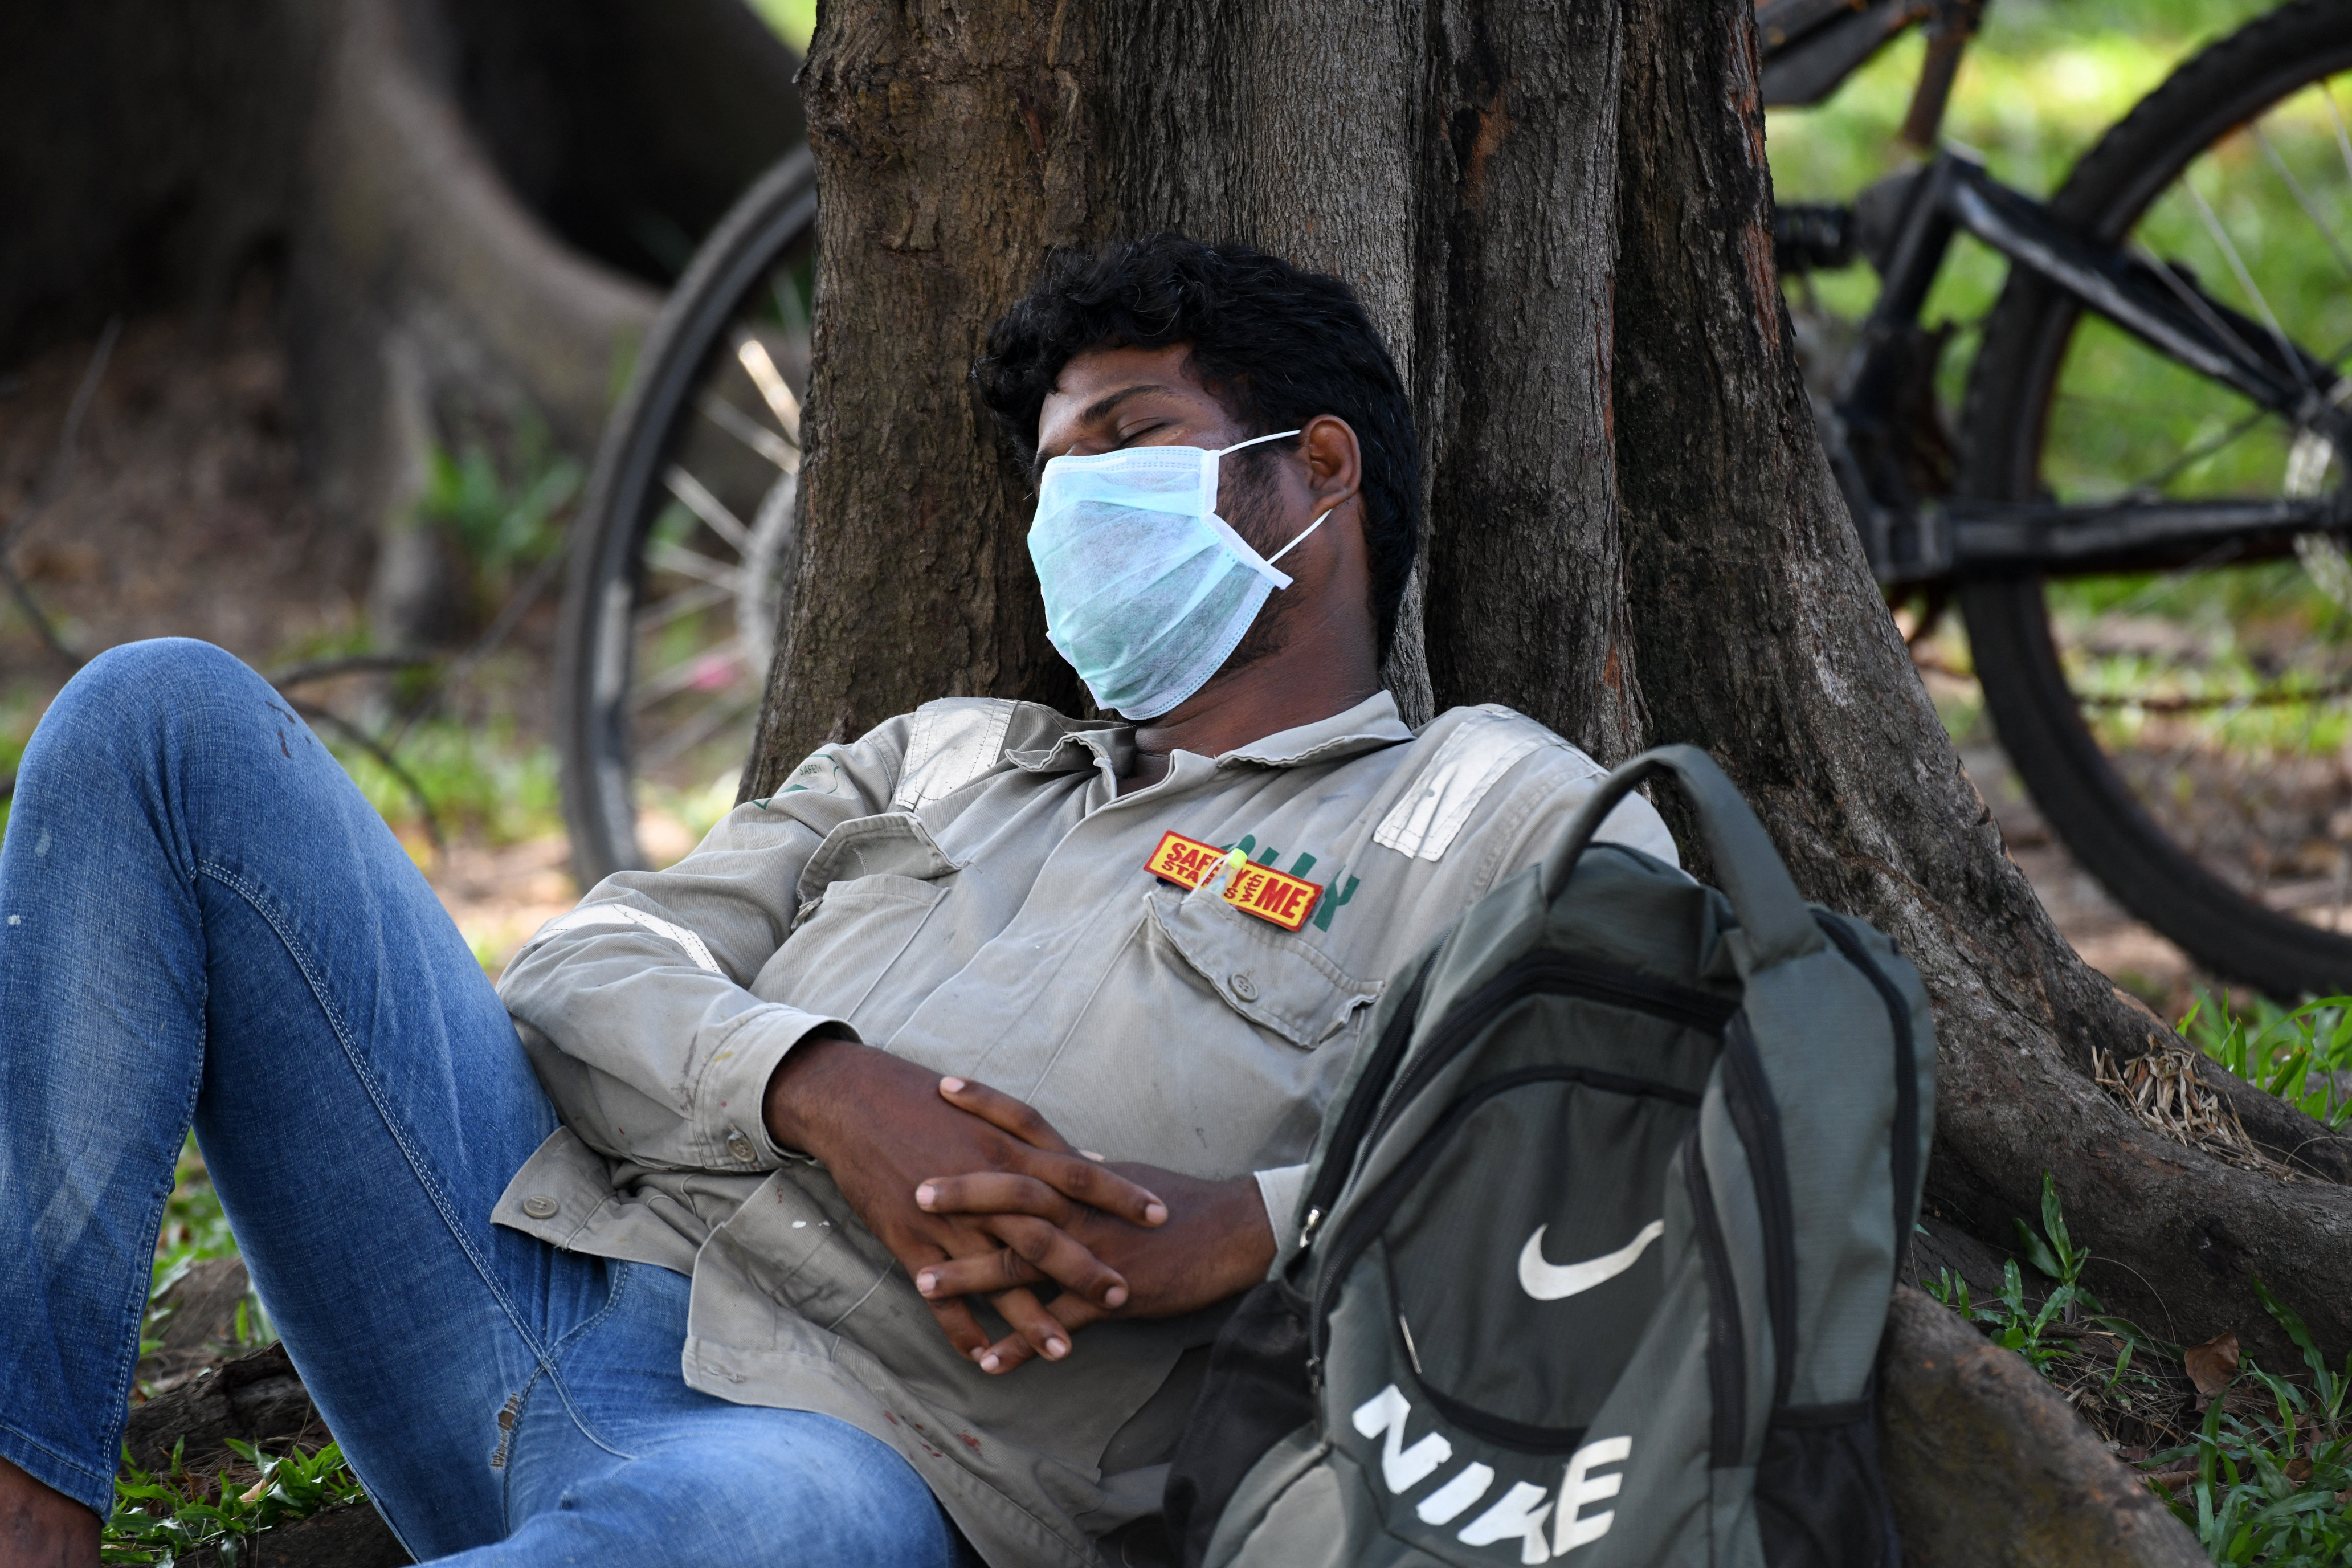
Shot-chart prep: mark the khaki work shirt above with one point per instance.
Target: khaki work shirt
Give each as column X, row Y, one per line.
column 965, row 887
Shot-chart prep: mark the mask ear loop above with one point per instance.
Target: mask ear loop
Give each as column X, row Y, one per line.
column 1302, row 537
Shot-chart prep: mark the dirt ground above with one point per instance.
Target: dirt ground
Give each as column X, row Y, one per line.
column 180, row 510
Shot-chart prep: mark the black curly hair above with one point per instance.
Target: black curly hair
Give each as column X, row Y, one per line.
column 1275, row 344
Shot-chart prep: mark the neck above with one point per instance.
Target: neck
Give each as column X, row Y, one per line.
column 1298, row 685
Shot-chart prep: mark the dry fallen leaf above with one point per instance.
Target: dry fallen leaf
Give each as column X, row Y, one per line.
column 2212, row 1364
column 2298, row 1470
column 259, row 1488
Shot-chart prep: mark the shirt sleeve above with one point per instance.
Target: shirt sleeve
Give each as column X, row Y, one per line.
column 636, row 1007
column 1559, row 780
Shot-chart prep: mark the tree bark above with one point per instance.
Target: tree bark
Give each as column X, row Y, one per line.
column 1560, row 216
column 1989, row 1467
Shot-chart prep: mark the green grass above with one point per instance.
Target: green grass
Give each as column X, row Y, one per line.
column 485, row 780
column 2292, row 1053
column 159, row 1519
column 2272, row 1454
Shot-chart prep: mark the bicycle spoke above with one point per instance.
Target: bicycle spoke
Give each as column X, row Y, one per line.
column 686, row 602
column 2303, row 200
column 2343, row 136
column 715, row 716
column 763, row 441
column 708, row 507
column 710, row 671
column 686, row 562
column 754, row 354
column 2246, row 280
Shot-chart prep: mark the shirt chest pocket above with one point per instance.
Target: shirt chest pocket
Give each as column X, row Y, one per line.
column 865, row 895
column 1277, row 981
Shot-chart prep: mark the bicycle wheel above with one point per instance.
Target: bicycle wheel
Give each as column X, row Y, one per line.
column 688, row 539
column 2185, row 730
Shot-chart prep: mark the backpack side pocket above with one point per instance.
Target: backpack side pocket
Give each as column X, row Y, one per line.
column 1821, row 1490
column 1256, row 1393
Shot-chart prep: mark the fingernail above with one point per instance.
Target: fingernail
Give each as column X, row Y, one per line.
column 926, row 1282
column 977, row 1351
column 988, row 1362
column 1056, row 1349
column 1098, row 1158
column 1115, row 1297
column 952, row 1085
column 1155, row 1213
column 926, row 1195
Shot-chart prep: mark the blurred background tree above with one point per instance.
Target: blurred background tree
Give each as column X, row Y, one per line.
column 462, row 213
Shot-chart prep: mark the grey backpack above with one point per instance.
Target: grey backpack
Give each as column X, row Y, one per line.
column 1598, row 1238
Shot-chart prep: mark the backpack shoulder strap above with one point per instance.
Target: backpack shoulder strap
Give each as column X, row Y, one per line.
column 1770, row 912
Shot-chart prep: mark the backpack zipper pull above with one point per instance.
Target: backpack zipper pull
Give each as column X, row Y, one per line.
column 1306, row 1231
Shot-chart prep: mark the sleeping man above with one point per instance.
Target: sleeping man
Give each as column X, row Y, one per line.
column 867, row 1187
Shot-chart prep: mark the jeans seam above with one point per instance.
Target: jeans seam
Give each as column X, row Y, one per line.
column 622, row 1285
column 416, row 1166
column 105, row 1477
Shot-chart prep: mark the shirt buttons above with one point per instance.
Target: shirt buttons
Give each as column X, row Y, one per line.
column 740, row 1147
column 539, row 1205
column 1243, row 986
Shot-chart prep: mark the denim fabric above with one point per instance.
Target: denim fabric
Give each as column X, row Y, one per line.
column 201, row 919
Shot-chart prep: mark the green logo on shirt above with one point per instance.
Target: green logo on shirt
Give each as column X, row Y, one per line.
column 1333, row 896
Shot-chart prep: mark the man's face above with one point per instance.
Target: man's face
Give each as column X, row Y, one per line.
column 1111, row 398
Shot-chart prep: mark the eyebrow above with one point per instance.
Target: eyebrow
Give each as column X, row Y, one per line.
column 1101, row 407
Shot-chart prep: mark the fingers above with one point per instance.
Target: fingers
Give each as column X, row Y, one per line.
column 1033, row 1250
column 1099, row 1186
column 1035, row 1331
column 960, row 1326
column 992, row 1193
column 1068, row 1171
column 1069, row 1312
column 1017, row 1117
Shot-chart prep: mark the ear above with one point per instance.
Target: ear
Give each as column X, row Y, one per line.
column 1335, row 463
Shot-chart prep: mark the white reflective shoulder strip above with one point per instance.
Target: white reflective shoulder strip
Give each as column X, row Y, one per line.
column 950, row 745
column 623, row 915
column 1424, row 822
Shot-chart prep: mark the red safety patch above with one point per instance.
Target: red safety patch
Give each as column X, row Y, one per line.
column 1259, row 891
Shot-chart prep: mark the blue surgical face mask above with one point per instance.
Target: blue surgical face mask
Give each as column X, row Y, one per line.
column 1148, row 591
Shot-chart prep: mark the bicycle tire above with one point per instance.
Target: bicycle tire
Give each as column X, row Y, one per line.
column 592, row 723
column 2087, row 803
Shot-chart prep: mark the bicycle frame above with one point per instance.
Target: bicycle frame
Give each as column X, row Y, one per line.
column 1904, row 227
column 1912, row 539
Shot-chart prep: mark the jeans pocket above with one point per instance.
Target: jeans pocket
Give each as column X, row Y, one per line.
column 1820, row 1490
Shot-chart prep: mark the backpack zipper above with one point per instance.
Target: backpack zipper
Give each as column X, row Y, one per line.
column 1386, row 1053
column 1727, row 1360
column 1536, row 973
column 1755, row 1116
column 1552, row 975
column 1365, row 1223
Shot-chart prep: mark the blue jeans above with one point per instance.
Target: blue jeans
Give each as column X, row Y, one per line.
column 205, row 921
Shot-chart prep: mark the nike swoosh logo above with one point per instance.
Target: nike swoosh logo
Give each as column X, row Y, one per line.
column 1552, row 1281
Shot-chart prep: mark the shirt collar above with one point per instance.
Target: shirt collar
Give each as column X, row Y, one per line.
column 1369, row 726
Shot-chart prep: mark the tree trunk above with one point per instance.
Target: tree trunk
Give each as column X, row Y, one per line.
column 1560, row 215
column 462, row 204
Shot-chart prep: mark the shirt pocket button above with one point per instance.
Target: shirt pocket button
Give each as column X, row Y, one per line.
column 1243, row 986
column 539, row 1205
column 740, row 1147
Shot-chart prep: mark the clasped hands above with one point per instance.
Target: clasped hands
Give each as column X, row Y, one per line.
column 977, row 1195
